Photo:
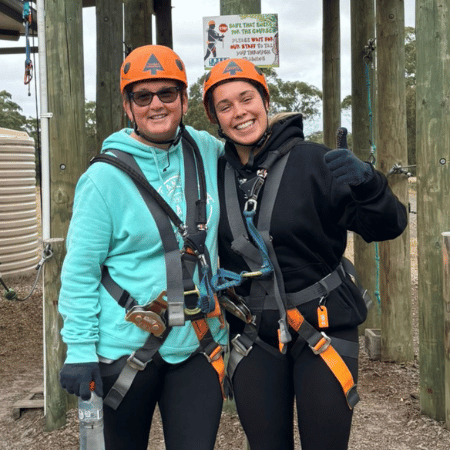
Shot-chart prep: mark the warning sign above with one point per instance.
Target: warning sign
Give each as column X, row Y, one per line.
column 249, row 36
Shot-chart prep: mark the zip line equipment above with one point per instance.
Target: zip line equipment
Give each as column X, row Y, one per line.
column 368, row 59
column 10, row 294
column 267, row 292
column 27, row 19
column 185, row 300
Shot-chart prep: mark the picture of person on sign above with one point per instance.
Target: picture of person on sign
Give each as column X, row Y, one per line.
column 213, row 36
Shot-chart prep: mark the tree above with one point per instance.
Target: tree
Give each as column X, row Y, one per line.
column 10, row 113
column 410, row 85
column 196, row 116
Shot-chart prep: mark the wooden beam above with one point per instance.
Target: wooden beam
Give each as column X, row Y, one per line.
column 331, row 71
column 433, row 184
column 109, row 113
column 163, row 13
column 395, row 280
column 138, row 23
column 64, row 43
column 363, row 29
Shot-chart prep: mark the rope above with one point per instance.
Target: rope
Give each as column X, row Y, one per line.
column 10, row 294
column 372, row 160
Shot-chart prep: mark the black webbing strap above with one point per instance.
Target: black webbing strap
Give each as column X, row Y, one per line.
column 268, row 294
column 174, row 272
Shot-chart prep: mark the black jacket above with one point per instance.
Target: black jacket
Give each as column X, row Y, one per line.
column 309, row 224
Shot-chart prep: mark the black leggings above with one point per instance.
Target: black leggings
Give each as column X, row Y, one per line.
column 189, row 399
column 265, row 386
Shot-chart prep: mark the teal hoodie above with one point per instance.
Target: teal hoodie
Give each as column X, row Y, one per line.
column 112, row 226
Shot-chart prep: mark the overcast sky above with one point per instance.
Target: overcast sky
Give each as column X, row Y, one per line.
column 300, row 43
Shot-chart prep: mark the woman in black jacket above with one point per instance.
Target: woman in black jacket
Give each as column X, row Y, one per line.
column 300, row 338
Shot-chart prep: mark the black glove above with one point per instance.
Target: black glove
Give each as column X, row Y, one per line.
column 76, row 379
column 347, row 168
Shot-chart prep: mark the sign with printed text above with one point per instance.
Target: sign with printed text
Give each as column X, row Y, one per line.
column 248, row 36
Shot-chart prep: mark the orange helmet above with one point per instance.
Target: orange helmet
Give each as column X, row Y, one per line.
column 152, row 62
column 211, row 22
column 229, row 70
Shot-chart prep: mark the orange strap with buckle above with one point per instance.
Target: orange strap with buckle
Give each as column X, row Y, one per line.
column 326, row 351
column 215, row 358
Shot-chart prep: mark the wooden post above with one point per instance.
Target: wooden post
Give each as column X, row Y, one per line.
column 331, row 72
column 363, row 29
column 395, row 280
column 109, row 59
column 64, row 42
column 163, row 13
column 433, row 184
column 138, row 23
column 446, row 307
column 235, row 7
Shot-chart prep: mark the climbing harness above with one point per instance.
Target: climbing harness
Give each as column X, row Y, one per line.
column 27, row 19
column 269, row 294
column 10, row 294
column 185, row 300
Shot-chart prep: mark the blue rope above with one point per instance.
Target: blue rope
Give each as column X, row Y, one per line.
column 373, row 154
column 225, row 279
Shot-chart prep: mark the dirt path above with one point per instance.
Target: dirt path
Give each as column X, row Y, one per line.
column 388, row 416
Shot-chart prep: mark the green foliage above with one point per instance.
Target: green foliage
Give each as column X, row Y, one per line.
column 10, row 113
column 91, row 128
column 294, row 96
column 410, row 84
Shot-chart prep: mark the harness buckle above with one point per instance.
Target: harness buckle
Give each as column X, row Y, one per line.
column 321, row 345
column 215, row 354
column 240, row 347
column 135, row 363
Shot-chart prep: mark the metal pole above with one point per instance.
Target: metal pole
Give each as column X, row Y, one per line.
column 45, row 117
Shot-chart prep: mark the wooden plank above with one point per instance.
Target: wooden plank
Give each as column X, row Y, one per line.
column 29, row 402
column 433, row 184
column 138, row 23
column 395, row 277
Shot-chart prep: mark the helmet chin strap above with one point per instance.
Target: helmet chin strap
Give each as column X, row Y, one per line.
column 172, row 142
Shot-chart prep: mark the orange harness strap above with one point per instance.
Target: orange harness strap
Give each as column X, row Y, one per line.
column 332, row 359
column 214, row 356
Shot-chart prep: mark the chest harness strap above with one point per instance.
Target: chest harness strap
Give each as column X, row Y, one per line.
column 267, row 294
column 185, row 301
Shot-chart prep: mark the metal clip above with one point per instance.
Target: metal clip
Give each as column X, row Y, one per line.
column 240, row 347
column 321, row 345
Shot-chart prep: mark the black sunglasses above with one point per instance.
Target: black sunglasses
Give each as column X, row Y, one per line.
column 144, row 98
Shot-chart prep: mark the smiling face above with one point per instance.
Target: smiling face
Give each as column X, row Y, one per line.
column 158, row 121
column 241, row 112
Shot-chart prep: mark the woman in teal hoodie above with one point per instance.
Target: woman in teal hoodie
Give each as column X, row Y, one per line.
column 140, row 318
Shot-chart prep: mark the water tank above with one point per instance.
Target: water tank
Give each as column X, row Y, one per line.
column 19, row 240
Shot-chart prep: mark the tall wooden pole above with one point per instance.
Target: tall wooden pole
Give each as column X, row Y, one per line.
column 235, row 7
column 138, row 23
column 433, row 185
column 446, row 307
column 109, row 59
column 163, row 13
column 331, row 71
column 395, row 280
column 64, row 43
column 363, row 29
